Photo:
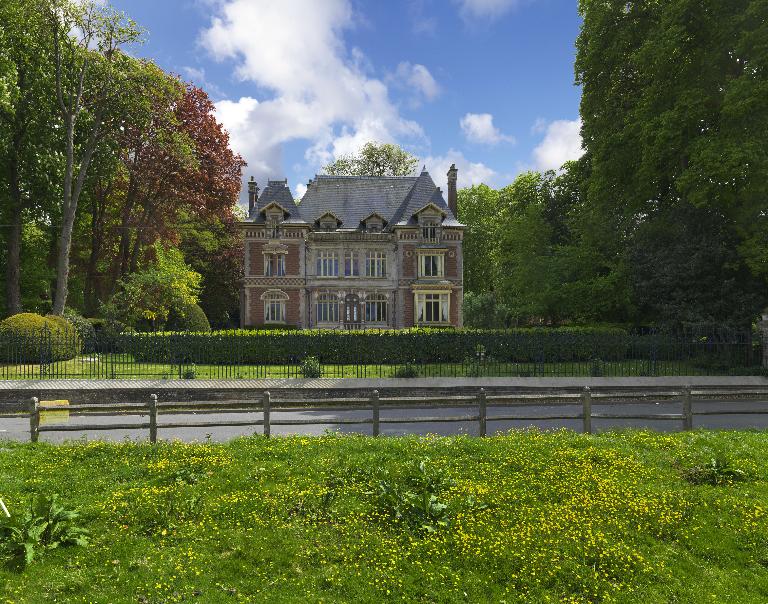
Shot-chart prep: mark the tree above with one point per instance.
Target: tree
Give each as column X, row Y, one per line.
column 479, row 209
column 29, row 147
column 87, row 77
column 374, row 159
column 674, row 111
column 149, row 295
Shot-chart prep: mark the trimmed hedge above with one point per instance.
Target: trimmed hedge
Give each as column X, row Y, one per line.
column 374, row 347
column 32, row 338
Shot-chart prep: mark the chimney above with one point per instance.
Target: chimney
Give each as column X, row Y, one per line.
column 253, row 195
column 453, row 198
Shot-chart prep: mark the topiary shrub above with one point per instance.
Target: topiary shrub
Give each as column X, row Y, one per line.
column 310, row 367
column 32, row 338
column 188, row 318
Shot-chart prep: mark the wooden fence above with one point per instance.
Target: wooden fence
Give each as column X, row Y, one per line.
column 373, row 404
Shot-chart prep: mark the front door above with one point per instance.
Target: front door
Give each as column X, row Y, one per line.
column 352, row 311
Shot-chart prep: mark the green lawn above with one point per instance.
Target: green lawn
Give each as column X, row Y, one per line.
column 530, row 517
column 124, row 366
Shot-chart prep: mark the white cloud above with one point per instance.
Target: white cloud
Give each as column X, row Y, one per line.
column 479, row 128
column 562, row 142
column 486, row 8
column 470, row 173
column 417, row 79
column 300, row 189
column 314, row 88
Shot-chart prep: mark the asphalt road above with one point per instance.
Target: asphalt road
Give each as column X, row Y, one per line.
column 18, row 428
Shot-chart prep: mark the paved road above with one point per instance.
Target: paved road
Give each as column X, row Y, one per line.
column 18, row 428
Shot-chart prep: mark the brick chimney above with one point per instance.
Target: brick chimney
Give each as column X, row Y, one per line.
column 253, row 195
column 453, row 197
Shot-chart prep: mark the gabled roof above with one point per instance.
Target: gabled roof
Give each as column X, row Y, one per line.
column 371, row 215
column 331, row 214
column 430, row 205
column 277, row 192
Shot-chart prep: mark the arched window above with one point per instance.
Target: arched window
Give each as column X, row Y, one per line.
column 327, row 308
column 376, row 308
column 274, row 306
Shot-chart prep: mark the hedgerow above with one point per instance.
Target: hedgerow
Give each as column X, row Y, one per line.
column 384, row 346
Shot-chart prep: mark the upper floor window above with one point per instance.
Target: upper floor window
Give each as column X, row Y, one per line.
column 274, row 307
column 327, row 264
column 351, row 267
column 376, row 308
column 376, row 264
column 327, row 308
column 430, row 231
column 431, row 265
column 274, row 265
column 273, row 226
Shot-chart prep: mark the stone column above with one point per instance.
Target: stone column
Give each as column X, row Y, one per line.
column 763, row 327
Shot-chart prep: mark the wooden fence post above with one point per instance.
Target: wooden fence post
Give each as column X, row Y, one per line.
column 267, row 404
column 687, row 409
column 586, row 409
column 34, row 419
column 375, row 407
column 153, row 418
column 482, row 408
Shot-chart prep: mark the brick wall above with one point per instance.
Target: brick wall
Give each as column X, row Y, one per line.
column 292, row 261
column 451, row 264
column 256, row 257
column 409, row 264
column 407, row 309
column 292, row 307
column 455, row 308
column 255, row 306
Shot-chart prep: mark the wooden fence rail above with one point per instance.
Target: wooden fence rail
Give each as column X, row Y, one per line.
column 373, row 405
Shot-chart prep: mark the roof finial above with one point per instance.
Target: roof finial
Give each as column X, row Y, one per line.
column 424, row 169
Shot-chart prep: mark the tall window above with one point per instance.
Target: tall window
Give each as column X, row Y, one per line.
column 431, row 265
column 273, row 228
column 432, row 308
column 376, row 308
column 351, row 268
column 327, row 308
column 376, row 264
column 274, row 265
column 274, row 307
column 280, row 270
column 268, row 266
column 328, row 264
column 430, row 231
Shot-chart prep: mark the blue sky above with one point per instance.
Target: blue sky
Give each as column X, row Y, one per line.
column 485, row 84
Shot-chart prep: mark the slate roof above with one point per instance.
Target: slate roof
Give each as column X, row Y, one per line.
column 354, row 198
column 276, row 191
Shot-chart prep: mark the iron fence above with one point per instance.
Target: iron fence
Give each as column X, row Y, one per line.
column 240, row 355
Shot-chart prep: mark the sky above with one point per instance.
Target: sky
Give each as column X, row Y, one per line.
column 485, row 84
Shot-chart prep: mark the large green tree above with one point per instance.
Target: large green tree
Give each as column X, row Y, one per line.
column 675, row 115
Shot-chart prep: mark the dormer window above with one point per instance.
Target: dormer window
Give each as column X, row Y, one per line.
column 273, row 228
column 430, row 231
column 328, row 222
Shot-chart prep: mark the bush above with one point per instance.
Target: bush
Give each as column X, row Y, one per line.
column 406, row 371
column 84, row 328
column 32, row 338
column 189, row 318
column 310, row 368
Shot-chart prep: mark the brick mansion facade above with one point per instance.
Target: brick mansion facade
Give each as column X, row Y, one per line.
column 356, row 252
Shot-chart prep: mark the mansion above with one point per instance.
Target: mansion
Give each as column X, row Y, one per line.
column 356, row 252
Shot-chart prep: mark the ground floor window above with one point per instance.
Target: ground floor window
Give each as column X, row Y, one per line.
column 327, row 308
column 432, row 307
column 376, row 308
column 274, row 306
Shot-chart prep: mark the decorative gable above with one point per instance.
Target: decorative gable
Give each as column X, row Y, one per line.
column 328, row 222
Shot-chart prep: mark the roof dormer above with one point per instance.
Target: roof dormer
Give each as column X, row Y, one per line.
column 328, row 222
column 373, row 223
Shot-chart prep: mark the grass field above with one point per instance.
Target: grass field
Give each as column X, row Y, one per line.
column 123, row 366
column 525, row 517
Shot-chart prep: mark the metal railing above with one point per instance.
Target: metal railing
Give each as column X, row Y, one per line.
column 374, row 405
column 241, row 355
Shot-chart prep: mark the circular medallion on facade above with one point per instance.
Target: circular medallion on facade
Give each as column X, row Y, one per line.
column 408, row 254
column 451, row 254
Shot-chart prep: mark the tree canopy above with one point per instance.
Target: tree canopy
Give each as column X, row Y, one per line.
column 374, row 159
